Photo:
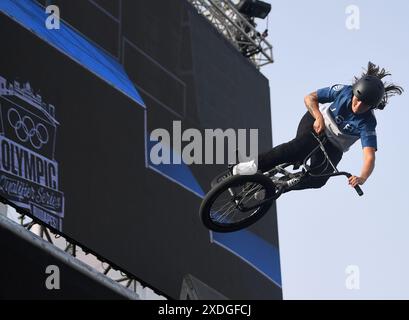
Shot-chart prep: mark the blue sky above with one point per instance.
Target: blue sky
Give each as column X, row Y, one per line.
column 323, row 231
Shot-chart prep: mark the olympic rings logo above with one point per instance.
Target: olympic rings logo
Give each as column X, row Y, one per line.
column 27, row 130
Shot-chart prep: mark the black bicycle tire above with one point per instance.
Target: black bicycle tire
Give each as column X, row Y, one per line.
column 210, row 198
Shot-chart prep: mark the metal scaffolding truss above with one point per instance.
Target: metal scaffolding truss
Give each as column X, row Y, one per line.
column 237, row 28
column 110, row 271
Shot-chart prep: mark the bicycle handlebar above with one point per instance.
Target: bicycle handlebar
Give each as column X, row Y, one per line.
column 357, row 187
column 334, row 174
column 337, row 173
column 348, row 175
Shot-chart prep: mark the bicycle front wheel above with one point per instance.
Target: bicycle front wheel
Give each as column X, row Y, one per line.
column 224, row 209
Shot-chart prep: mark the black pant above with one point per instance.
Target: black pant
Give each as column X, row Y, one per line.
column 297, row 150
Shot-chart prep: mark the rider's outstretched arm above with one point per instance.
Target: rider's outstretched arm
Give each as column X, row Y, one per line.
column 367, row 169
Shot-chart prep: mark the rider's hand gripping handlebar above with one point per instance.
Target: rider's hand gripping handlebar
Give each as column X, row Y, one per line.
column 357, row 187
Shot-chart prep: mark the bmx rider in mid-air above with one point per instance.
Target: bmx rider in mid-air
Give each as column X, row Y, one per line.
column 349, row 118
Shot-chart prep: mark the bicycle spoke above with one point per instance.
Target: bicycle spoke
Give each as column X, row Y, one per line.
column 228, row 209
column 233, row 205
column 227, row 202
column 226, row 214
column 258, row 189
column 222, row 207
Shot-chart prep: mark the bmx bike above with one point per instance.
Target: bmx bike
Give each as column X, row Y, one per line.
column 238, row 201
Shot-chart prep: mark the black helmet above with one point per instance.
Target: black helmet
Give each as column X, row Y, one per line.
column 369, row 90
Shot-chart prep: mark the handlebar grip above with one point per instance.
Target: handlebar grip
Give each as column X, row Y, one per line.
column 357, row 188
column 359, row 191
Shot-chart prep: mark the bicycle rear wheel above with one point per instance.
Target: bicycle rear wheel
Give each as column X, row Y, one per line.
column 224, row 207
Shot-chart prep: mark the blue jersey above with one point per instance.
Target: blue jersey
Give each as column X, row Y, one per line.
column 362, row 126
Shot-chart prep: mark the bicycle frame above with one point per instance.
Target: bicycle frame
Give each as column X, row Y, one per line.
column 306, row 170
